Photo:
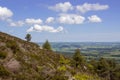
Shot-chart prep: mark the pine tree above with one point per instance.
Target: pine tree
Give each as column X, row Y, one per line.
column 78, row 58
column 47, row 45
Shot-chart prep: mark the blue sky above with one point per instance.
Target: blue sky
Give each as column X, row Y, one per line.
column 62, row 20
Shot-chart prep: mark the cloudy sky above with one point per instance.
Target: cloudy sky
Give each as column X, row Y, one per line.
column 62, row 20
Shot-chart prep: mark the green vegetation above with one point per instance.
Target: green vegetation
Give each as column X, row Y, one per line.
column 59, row 76
column 91, row 50
column 21, row 60
column 64, row 61
column 78, row 59
column 3, row 55
column 62, row 68
column 83, row 76
column 12, row 45
column 108, row 69
column 28, row 37
column 3, row 71
column 47, row 45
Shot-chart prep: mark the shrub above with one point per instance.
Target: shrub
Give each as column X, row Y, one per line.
column 13, row 46
column 3, row 55
column 63, row 60
column 3, row 71
column 62, row 68
column 2, row 48
column 81, row 76
column 78, row 59
column 59, row 77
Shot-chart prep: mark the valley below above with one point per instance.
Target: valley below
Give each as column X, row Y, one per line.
column 91, row 50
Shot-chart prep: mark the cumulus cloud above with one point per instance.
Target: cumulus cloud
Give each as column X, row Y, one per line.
column 29, row 21
column 71, row 19
column 31, row 29
column 64, row 7
column 16, row 24
column 46, row 28
column 5, row 13
column 33, row 21
column 91, row 7
column 94, row 19
column 49, row 20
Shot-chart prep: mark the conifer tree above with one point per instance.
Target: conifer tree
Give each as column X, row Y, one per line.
column 47, row 45
column 78, row 58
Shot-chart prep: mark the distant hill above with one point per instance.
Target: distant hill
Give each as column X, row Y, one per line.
column 22, row 60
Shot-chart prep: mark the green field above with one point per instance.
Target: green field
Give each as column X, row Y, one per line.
column 110, row 50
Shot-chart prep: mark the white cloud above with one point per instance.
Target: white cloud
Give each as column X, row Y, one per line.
column 64, row 7
column 31, row 29
column 50, row 20
column 33, row 21
column 16, row 24
column 91, row 7
column 5, row 13
column 94, row 19
column 71, row 19
column 45, row 28
column 29, row 21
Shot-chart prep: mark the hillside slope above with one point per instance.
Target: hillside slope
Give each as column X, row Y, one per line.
column 22, row 60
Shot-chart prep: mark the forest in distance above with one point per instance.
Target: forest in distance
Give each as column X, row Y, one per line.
column 91, row 50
